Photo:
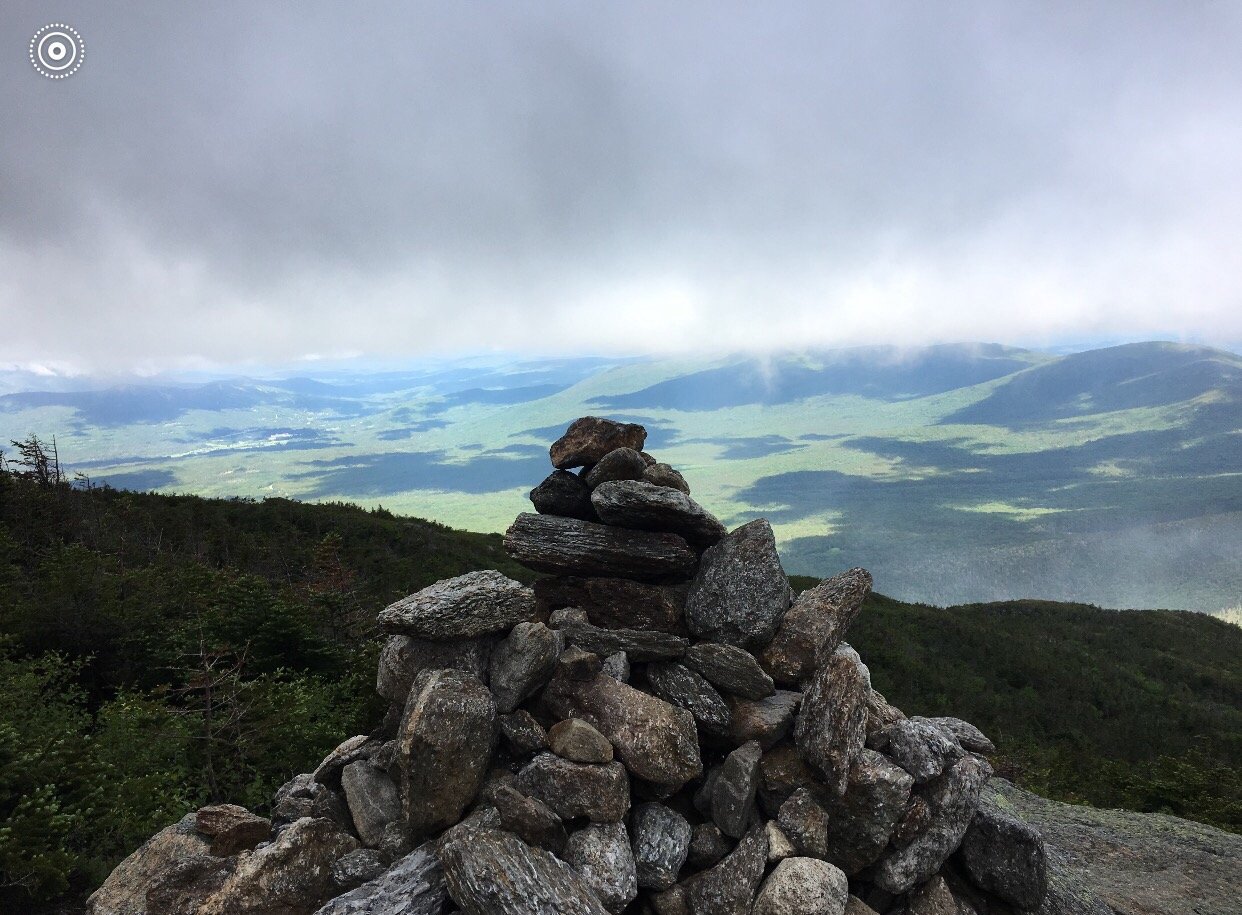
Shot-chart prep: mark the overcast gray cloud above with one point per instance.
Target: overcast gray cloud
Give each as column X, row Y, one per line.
column 243, row 181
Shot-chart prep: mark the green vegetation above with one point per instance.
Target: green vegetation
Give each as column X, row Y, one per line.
column 159, row 652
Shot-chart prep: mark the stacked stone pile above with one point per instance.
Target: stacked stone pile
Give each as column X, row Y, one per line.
column 659, row 726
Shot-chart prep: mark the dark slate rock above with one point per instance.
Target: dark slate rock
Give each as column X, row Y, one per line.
column 1005, row 856
column 805, row 824
column 814, row 626
column 733, row 669
column 803, row 886
column 733, row 793
column 616, row 603
column 547, row 543
column 565, row 494
column 372, row 798
column 577, row 741
column 491, row 872
column 404, row 657
column 618, row 464
column 589, row 438
column 765, row 720
column 953, row 798
column 832, row 724
column 360, row 866
column 444, row 747
column 729, row 887
column 522, row 663
column 861, row 822
column 601, row 855
column 684, row 688
column 660, row 840
column 658, row 742
column 601, row 793
column 664, row 475
column 533, row 821
column 708, row 845
column 740, row 593
column 638, row 644
column 522, row 733
column 645, row 506
column 469, row 605
column 920, row 747
column 968, row 736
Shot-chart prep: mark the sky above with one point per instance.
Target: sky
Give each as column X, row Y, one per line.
column 254, row 182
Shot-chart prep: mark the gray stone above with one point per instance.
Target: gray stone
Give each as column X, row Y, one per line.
column 328, row 772
column 617, row 666
column 1005, row 856
column 953, row 799
column 578, row 664
column 303, row 797
column 658, row 742
column 360, row 866
column 831, row 728
column 966, row 734
column 733, row 793
column 522, row 733
column 575, row 740
column 779, row 846
column 782, row 772
column 412, row 886
column 880, row 715
column 805, row 823
column 533, row 821
column 664, row 475
column 733, row 669
column 935, row 897
column 639, row 644
column 616, row 603
column 601, row 855
column 855, row 906
column 814, row 626
column 803, row 886
column 372, row 798
column 589, row 438
column 618, row 464
column 648, row 507
column 125, row 890
column 522, row 663
column 490, row 872
column 469, row 605
column 729, row 887
column 601, row 793
column 920, row 747
column 548, row 543
column 563, row 493
column 661, row 843
column 765, row 720
column 861, row 821
column 232, row 828
column 444, row 747
column 684, row 688
column 708, row 845
column 740, row 593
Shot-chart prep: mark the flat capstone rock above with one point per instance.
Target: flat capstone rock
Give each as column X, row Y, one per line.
column 646, row 506
column 469, row 605
column 548, row 543
column 589, row 438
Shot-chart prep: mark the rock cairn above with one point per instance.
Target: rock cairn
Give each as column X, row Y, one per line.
column 659, row 726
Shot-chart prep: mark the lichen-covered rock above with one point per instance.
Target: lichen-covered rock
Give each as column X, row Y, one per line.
column 814, row 626
column 467, row 606
column 563, row 493
column 530, row 819
column 492, row 872
column 803, row 886
column 290, row 876
column 686, row 689
column 861, row 821
column 601, row 793
column 1005, row 856
column 302, row 797
column 618, row 464
column 648, row 507
column 589, row 438
column 733, row 790
column 372, row 799
column 523, row 734
column 660, row 841
column 444, row 747
column 231, row 828
column 729, row 887
column 412, row 886
column 360, row 866
column 740, row 593
column 880, row 715
column 732, row 669
column 548, row 543
column 831, row 727
column 664, row 475
column 953, row 799
column 575, row 740
column 125, row 890
column 766, row 720
column 616, row 603
column 805, row 822
column 617, row 666
column 920, row 747
column 601, row 855
column 362, row 746
column 968, row 736
column 658, row 742
column 522, row 663
column 638, row 644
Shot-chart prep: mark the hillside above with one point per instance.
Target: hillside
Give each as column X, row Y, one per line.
column 162, row 651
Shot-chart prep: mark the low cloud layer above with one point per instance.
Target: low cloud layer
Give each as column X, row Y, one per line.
column 242, row 182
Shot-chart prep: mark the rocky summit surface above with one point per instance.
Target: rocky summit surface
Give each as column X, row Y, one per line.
column 659, row 727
